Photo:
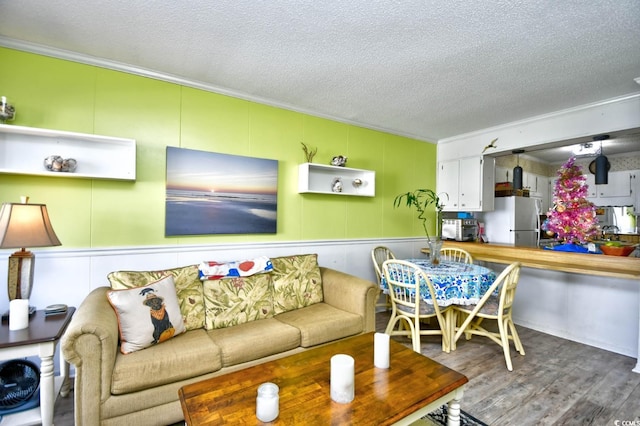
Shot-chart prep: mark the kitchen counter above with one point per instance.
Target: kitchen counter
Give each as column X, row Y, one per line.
column 579, row 263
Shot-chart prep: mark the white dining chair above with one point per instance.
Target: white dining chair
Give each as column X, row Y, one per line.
column 496, row 307
column 407, row 307
column 378, row 255
column 454, row 254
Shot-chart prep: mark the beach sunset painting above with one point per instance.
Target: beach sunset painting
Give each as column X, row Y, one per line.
column 212, row 193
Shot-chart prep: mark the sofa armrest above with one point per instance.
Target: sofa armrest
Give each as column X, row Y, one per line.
column 90, row 343
column 351, row 294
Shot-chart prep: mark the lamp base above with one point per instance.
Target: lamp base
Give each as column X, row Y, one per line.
column 20, row 279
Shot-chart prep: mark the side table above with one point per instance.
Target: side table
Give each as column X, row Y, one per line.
column 39, row 339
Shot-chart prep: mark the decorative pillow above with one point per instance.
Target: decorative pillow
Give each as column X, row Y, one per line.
column 188, row 289
column 240, row 268
column 147, row 315
column 233, row 301
column 296, row 282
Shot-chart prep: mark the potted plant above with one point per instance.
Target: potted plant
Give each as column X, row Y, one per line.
column 421, row 199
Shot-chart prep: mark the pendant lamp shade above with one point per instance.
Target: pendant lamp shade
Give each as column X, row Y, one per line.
column 517, row 170
column 517, row 177
column 602, row 172
column 602, row 163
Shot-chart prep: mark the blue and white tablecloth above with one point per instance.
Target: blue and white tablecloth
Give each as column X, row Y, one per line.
column 454, row 282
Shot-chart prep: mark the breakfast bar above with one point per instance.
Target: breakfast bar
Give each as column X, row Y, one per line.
column 594, row 264
column 589, row 298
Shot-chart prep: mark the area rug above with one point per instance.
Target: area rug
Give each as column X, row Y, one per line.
column 439, row 418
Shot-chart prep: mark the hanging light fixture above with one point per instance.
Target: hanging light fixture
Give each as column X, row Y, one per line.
column 602, row 163
column 517, row 170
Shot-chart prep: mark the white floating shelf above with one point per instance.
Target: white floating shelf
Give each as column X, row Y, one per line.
column 320, row 179
column 23, row 150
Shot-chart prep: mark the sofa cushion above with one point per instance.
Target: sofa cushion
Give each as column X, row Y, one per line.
column 233, row 301
column 188, row 288
column 321, row 323
column 188, row 355
column 147, row 315
column 296, row 282
column 254, row 340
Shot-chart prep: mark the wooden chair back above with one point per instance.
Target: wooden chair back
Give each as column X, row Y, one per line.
column 455, row 254
column 405, row 280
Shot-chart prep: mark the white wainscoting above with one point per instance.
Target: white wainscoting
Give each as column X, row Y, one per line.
column 67, row 276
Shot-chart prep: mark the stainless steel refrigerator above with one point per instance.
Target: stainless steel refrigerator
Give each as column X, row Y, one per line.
column 515, row 220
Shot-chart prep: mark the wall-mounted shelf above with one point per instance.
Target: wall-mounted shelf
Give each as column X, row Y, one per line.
column 23, row 150
column 320, row 179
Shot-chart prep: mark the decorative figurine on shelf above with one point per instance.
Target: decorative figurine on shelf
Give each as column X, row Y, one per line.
column 69, row 165
column 7, row 111
column 336, row 185
column 53, row 163
column 56, row 163
column 339, row 160
column 309, row 153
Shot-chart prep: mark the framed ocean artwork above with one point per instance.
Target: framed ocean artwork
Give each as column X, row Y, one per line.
column 212, row 193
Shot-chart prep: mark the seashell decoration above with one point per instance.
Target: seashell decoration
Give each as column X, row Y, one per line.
column 56, row 163
column 339, row 160
column 336, row 185
column 7, row 111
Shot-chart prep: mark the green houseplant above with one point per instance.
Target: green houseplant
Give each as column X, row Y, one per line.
column 421, row 199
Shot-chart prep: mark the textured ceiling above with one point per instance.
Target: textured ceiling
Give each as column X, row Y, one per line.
column 422, row 68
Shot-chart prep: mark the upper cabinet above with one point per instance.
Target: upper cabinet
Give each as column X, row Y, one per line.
column 322, row 179
column 619, row 186
column 468, row 182
column 24, row 149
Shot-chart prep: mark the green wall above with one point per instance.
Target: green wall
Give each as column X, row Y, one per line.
column 63, row 95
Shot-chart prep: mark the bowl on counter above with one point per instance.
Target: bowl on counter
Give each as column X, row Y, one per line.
column 617, row 250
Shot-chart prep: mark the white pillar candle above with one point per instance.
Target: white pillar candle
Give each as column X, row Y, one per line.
column 381, row 350
column 342, row 378
column 18, row 314
column 267, row 402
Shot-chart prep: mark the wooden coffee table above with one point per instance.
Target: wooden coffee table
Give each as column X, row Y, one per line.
column 413, row 386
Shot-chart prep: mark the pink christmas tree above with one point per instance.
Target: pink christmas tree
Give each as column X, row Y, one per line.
column 573, row 217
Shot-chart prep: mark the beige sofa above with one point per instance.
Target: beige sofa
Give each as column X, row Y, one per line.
column 141, row 388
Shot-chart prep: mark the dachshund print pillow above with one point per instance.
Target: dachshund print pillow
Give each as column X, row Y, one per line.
column 147, row 315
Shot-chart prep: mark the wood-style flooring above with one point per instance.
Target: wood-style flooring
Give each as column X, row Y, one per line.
column 557, row 382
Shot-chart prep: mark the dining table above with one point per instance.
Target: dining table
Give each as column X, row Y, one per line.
column 455, row 283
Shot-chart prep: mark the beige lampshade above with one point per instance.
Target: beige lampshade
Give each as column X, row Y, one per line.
column 26, row 225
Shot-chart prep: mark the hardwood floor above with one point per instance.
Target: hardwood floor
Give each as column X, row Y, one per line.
column 557, row 382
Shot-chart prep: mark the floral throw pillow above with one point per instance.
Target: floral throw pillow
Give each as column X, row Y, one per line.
column 147, row 315
column 188, row 289
column 233, row 301
column 296, row 282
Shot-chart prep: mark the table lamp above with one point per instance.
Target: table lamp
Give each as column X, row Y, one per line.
column 24, row 225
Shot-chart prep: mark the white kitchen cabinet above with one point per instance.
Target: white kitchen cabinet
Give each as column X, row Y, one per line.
column 530, row 181
column 98, row 157
column 468, row 182
column 504, row 174
column 545, row 192
column 619, row 186
column 335, row 180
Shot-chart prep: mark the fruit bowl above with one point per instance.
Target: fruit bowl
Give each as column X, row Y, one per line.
column 617, row 250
